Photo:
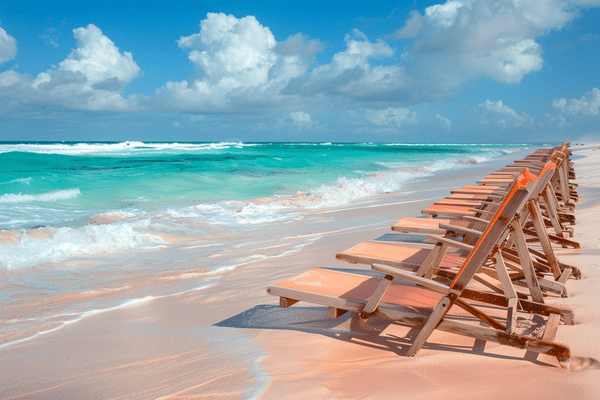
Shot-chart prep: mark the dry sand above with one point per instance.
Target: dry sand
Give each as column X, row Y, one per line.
column 232, row 341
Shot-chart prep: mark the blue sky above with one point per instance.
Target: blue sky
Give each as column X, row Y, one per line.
column 458, row 71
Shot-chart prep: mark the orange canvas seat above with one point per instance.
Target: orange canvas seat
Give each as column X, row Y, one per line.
column 427, row 226
column 359, row 288
column 394, row 255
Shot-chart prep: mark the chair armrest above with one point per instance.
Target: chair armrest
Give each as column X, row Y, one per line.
column 450, row 242
column 475, row 219
column 412, row 278
column 461, row 230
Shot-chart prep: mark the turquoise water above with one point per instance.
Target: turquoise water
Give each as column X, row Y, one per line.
column 63, row 200
column 61, row 184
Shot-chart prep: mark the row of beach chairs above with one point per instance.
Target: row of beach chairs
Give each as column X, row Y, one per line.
column 485, row 268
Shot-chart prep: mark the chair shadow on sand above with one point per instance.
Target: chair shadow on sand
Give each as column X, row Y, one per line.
column 370, row 333
column 349, row 328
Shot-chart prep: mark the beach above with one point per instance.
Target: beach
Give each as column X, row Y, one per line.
column 226, row 338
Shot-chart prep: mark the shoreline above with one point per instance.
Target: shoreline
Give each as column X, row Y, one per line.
column 159, row 348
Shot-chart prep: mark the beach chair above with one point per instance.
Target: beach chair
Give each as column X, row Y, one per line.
column 431, row 260
column 427, row 304
column 452, row 208
column 564, row 188
column 552, row 213
column 534, row 218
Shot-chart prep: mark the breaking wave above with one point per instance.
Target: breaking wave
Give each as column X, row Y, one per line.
column 26, row 248
column 43, row 197
column 282, row 208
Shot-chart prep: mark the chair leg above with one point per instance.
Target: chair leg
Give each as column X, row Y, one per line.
column 526, row 263
column 542, row 235
column 376, row 297
column 563, row 278
column 434, row 319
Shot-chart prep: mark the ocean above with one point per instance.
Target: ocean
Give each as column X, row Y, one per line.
column 90, row 227
column 65, row 200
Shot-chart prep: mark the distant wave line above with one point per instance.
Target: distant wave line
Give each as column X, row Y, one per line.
column 119, row 148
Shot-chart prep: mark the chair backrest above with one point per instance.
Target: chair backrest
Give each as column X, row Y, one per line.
column 512, row 203
column 543, row 178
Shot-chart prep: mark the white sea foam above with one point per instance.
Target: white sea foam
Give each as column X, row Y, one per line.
column 59, row 244
column 455, row 144
column 43, row 197
column 70, row 149
column 26, row 181
column 238, row 213
column 347, row 189
column 284, row 207
column 385, row 181
column 118, row 148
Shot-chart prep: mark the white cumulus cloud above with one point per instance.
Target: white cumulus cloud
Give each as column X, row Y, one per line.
column 587, row 105
column 301, row 119
column 97, row 57
column 352, row 73
column 238, row 64
column 392, row 117
column 231, row 52
column 446, row 45
column 91, row 78
column 558, row 120
column 8, row 47
column 504, row 116
column 240, row 67
column 582, row 112
column 446, row 123
column 461, row 40
column 443, row 15
column 411, row 28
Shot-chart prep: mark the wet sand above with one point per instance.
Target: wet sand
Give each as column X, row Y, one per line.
column 232, row 341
